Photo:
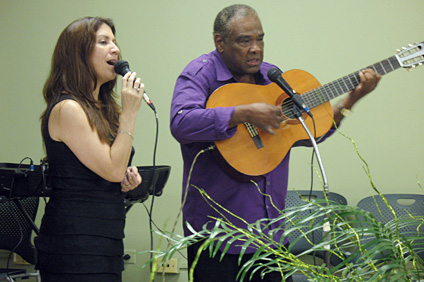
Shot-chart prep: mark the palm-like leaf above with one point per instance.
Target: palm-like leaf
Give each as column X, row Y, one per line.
column 369, row 249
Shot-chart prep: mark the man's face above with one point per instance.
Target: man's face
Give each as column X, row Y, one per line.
column 243, row 50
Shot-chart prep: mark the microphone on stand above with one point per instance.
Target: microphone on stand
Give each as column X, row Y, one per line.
column 275, row 76
column 122, row 67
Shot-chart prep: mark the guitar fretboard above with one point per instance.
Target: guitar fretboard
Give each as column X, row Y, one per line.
column 345, row 84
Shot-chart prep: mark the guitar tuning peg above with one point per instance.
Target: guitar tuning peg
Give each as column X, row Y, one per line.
column 397, row 50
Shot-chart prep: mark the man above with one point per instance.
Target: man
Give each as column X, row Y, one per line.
column 239, row 42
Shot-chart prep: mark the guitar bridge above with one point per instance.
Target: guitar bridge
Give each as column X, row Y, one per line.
column 254, row 134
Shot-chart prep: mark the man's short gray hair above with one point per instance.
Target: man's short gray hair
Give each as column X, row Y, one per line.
column 224, row 18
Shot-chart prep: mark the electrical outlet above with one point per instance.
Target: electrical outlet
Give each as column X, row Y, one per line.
column 171, row 266
column 129, row 256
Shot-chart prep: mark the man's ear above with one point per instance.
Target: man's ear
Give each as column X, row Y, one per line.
column 219, row 41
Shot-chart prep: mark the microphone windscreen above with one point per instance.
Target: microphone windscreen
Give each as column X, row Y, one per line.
column 121, row 67
column 273, row 74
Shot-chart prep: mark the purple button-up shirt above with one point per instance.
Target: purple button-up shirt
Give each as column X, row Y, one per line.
column 195, row 128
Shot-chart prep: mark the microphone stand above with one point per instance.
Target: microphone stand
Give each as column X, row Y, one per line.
column 326, row 228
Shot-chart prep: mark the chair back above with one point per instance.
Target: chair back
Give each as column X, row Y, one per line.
column 300, row 197
column 16, row 229
column 403, row 205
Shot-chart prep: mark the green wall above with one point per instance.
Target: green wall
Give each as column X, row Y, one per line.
column 327, row 38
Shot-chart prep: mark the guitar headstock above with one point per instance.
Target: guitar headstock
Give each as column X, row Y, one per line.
column 411, row 56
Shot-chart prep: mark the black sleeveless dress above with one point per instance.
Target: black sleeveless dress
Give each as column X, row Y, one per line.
column 82, row 230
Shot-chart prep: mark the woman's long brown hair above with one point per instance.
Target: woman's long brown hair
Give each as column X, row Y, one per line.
column 72, row 74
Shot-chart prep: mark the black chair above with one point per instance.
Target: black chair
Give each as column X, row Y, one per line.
column 301, row 197
column 404, row 205
column 16, row 226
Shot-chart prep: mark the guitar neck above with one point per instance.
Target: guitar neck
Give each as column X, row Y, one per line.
column 345, row 84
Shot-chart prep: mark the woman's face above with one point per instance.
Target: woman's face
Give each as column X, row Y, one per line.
column 104, row 55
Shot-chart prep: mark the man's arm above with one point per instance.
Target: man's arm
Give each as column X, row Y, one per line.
column 369, row 81
column 261, row 115
column 190, row 120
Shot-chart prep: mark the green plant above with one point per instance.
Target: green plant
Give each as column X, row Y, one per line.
column 370, row 250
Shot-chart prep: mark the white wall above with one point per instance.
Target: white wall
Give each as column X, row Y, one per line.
column 327, row 38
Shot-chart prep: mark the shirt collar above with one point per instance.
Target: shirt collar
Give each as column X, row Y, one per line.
column 222, row 71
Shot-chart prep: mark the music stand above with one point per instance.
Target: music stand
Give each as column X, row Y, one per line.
column 154, row 179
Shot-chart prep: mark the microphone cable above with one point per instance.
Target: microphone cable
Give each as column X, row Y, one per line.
column 154, row 180
column 122, row 67
column 312, row 182
column 312, row 161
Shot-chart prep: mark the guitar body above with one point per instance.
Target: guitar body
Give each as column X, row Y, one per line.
column 240, row 152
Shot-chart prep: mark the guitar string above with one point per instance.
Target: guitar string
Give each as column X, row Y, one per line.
column 382, row 68
column 338, row 87
column 333, row 89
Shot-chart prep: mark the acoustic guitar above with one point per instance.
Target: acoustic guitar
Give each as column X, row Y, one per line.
column 254, row 152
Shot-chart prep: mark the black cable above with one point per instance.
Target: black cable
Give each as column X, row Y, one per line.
column 31, row 163
column 312, row 180
column 158, row 228
column 45, row 189
column 18, row 170
column 154, row 180
column 312, row 183
column 312, row 162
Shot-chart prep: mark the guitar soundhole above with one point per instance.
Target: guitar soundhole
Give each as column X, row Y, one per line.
column 287, row 109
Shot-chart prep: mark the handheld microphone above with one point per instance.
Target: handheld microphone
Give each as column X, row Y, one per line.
column 275, row 76
column 122, row 67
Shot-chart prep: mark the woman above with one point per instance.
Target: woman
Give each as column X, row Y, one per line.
column 88, row 140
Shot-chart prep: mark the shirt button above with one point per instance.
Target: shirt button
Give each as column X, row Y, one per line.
column 204, row 60
column 268, row 183
column 180, row 112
